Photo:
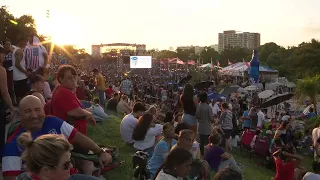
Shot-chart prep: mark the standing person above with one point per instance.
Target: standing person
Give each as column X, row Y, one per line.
column 36, row 56
column 5, row 102
column 126, row 87
column 7, row 64
column 101, row 86
column 189, row 102
column 226, row 124
column 205, row 118
column 20, row 74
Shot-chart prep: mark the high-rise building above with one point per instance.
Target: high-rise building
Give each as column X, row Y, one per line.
column 234, row 39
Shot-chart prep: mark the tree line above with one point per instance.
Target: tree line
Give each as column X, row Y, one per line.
column 294, row 62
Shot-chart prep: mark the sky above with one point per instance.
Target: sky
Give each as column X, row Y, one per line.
column 170, row 23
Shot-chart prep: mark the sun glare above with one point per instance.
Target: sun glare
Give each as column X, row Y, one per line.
column 63, row 29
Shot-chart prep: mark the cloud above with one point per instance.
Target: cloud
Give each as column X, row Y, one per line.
column 312, row 29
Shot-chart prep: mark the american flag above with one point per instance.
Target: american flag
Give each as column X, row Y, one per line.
column 32, row 58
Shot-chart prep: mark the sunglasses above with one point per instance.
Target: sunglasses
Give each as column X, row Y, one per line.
column 65, row 166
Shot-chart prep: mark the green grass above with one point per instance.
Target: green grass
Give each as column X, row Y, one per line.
column 108, row 133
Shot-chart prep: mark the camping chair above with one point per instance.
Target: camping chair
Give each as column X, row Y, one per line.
column 246, row 139
column 113, row 151
column 261, row 148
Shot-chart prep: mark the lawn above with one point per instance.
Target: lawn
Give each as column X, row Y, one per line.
column 108, row 133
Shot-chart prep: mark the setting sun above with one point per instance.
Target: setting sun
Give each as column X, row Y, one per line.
column 63, row 29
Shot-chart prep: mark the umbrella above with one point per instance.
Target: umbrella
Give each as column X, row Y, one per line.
column 241, row 90
column 185, row 80
column 306, row 110
column 229, row 90
column 203, row 85
column 215, row 96
column 265, row 94
column 277, row 100
column 251, row 88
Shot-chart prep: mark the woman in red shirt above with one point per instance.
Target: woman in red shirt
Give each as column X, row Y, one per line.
column 65, row 104
column 286, row 162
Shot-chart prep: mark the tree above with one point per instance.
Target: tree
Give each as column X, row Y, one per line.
column 266, row 49
column 15, row 27
column 209, row 53
column 185, row 54
column 165, row 54
column 308, row 87
column 234, row 54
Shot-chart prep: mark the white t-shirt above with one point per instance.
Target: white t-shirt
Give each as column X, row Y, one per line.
column 311, row 176
column 149, row 139
column 127, row 126
column 17, row 74
column 215, row 108
column 285, row 118
column 164, row 176
column 261, row 118
column 234, row 141
column 33, row 56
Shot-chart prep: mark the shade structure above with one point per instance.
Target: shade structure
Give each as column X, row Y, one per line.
column 215, row 96
column 229, row 90
column 203, row 85
column 265, row 94
column 277, row 100
column 239, row 68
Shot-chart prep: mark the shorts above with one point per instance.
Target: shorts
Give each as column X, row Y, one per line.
column 21, row 87
column 227, row 133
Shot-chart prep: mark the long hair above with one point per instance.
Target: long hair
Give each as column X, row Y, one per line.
column 177, row 156
column 188, row 91
column 46, row 150
column 142, row 127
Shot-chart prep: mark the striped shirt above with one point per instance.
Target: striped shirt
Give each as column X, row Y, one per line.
column 226, row 120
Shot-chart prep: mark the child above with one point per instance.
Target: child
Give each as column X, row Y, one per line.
column 234, row 140
column 255, row 137
column 98, row 111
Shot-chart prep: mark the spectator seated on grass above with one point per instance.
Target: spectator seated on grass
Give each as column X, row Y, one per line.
column 113, row 102
column 123, row 105
column 315, row 175
column 33, row 120
column 144, row 134
column 130, row 121
column 228, row 174
column 109, row 92
column 83, row 94
column 286, row 162
column 162, row 149
column 217, row 158
column 47, row 157
column 176, row 166
column 98, row 111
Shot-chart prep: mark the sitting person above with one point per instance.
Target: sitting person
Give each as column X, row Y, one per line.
column 177, row 165
column 113, row 102
column 130, row 121
column 123, row 105
column 162, row 149
column 47, row 157
column 144, row 134
column 315, row 175
column 109, row 92
column 98, row 111
column 286, row 162
column 216, row 157
column 37, row 87
column 82, row 93
column 228, row 174
column 234, row 140
column 33, row 120
column 255, row 137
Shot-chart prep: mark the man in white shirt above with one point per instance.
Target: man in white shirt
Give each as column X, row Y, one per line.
column 20, row 74
column 130, row 121
column 315, row 175
column 216, row 109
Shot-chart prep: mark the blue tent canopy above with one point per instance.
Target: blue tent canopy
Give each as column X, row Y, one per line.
column 215, row 96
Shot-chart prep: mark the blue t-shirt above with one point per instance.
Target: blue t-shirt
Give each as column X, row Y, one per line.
column 311, row 115
column 246, row 122
column 159, row 155
column 11, row 161
column 213, row 156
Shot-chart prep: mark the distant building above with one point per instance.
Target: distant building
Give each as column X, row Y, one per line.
column 122, row 48
column 215, row 47
column 234, row 39
column 197, row 49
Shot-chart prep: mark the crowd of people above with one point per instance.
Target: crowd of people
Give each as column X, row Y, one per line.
column 183, row 132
